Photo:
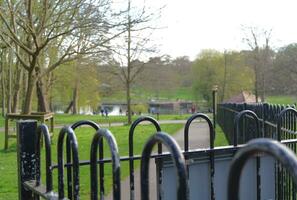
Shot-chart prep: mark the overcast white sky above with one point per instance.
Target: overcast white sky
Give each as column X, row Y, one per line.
column 192, row 25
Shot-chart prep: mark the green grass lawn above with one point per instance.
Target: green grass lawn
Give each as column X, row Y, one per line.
column 220, row 139
column 179, row 93
column 62, row 119
column 282, row 99
column 68, row 118
column 1, row 121
column 142, row 95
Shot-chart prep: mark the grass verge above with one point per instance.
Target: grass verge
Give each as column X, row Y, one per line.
column 62, row 119
column 220, row 139
column 282, row 100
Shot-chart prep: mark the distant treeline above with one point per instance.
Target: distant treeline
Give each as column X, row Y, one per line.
column 262, row 71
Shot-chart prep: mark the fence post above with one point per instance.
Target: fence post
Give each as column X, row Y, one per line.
column 214, row 104
column 264, row 117
column 26, row 157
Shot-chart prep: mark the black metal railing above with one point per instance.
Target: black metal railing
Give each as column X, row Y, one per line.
column 274, row 121
column 29, row 160
column 29, row 139
column 262, row 120
column 281, row 153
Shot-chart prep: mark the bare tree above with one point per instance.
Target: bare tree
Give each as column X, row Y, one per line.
column 130, row 49
column 261, row 54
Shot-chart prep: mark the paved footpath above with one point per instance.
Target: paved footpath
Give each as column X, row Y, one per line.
column 198, row 138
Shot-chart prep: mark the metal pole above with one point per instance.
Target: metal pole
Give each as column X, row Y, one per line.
column 214, row 104
column 26, row 156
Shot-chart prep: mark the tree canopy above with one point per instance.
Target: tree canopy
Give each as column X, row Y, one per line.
column 214, row 68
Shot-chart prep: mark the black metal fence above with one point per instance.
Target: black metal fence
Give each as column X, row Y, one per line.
column 257, row 120
column 29, row 140
column 29, row 169
column 243, row 122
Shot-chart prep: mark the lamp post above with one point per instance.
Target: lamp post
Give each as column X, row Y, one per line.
column 214, row 104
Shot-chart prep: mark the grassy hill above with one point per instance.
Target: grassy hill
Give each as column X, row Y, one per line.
column 282, row 99
column 143, row 95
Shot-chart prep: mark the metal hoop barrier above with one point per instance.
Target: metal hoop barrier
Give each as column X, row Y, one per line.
column 179, row 162
column 99, row 135
column 273, row 148
column 131, row 150
column 237, row 119
column 211, row 144
column 42, row 130
column 187, row 127
column 68, row 157
column 75, row 165
column 280, row 117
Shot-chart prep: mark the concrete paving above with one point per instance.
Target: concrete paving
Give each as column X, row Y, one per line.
column 198, row 138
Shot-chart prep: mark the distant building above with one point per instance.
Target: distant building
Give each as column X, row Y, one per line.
column 154, row 107
column 243, row 97
column 115, row 108
column 170, row 107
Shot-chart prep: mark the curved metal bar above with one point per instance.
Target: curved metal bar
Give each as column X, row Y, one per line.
column 85, row 122
column 74, row 150
column 43, row 130
column 279, row 151
column 179, row 162
column 131, row 145
column 68, row 156
column 237, row 119
column 211, row 143
column 280, row 117
column 187, row 127
column 104, row 133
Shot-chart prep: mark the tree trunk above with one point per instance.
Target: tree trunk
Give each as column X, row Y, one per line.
column 9, row 84
column 263, row 88
column 128, row 102
column 29, row 93
column 75, row 100
column 24, row 87
column 41, row 97
column 129, row 67
column 256, row 84
column 225, row 77
column 3, row 99
column 51, row 106
column 17, row 86
column 3, row 92
column 68, row 107
column 48, row 91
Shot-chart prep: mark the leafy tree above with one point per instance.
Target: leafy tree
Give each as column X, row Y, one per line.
column 32, row 28
column 209, row 70
column 80, row 80
column 282, row 76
